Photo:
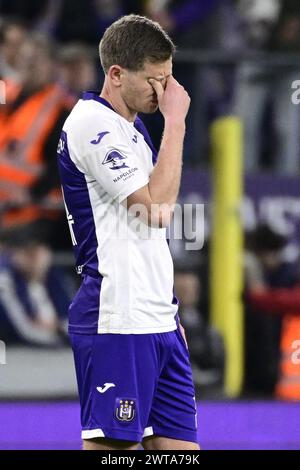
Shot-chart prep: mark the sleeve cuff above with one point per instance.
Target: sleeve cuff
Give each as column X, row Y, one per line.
column 130, row 190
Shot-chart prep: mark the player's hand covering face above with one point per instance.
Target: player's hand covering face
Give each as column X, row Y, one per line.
column 173, row 100
column 136, row 90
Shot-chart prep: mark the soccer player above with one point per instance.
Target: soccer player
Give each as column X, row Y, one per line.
column 132, row 363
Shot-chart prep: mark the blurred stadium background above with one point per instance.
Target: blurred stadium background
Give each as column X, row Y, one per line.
column 240, row 293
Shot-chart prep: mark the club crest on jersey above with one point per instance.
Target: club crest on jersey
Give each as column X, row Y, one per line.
column 125, row 409
column 115, row 158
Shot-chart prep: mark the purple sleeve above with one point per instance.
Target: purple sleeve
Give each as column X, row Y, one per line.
column 192, row 11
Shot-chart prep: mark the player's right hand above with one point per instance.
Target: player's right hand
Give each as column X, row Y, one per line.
column 173, row 100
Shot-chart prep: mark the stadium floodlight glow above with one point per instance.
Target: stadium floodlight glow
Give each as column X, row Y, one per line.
column 2, row 92
column 2, row 353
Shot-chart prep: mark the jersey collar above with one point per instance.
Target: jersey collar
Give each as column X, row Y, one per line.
column 94, row 95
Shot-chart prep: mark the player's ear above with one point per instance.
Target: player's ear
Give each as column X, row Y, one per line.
column 115, row 74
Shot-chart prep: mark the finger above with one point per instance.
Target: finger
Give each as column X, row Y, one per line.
column 157, row 87
column 173, row 81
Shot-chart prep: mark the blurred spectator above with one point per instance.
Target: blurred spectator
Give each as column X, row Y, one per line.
column 263, row 92
column 76, row 69
column 286, row 34
column 205, row 345
column 12, row 36
column 34, row 296
column 29, row 183
column 258, row 20
column 272, row 282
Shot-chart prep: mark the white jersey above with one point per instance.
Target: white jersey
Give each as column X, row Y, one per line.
column 127, row 271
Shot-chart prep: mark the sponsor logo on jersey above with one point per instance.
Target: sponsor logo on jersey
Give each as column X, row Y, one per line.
column 124, row 176
column 115, row 159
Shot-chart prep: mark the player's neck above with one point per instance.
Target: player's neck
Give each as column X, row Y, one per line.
column 118, row 104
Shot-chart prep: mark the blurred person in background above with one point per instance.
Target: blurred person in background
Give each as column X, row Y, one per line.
column 76, row 70
column 29, row 182
column 13, row 33
column 34, row 295
column 263, row 92
column 272, row 315
column 206, row 347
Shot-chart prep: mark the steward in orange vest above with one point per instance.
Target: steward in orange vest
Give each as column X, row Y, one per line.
column 272, row 301
column 29, row 134
column 284, row 301
column 28, row 170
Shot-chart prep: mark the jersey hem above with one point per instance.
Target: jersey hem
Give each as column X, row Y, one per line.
column 142, row 330
column 88, row 330
column 116, row 433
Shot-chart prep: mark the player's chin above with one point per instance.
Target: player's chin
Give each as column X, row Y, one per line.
column 151, row 108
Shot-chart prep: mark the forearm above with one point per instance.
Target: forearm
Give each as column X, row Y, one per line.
column 154, row 203
column 165, row 179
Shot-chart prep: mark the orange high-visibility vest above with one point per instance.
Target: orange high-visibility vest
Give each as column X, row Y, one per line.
column 288, row 386
column 22, row 139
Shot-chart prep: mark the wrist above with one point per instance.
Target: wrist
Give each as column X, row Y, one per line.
column 173, row 122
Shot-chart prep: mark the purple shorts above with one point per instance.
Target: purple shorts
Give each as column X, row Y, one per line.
column 134, row 386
